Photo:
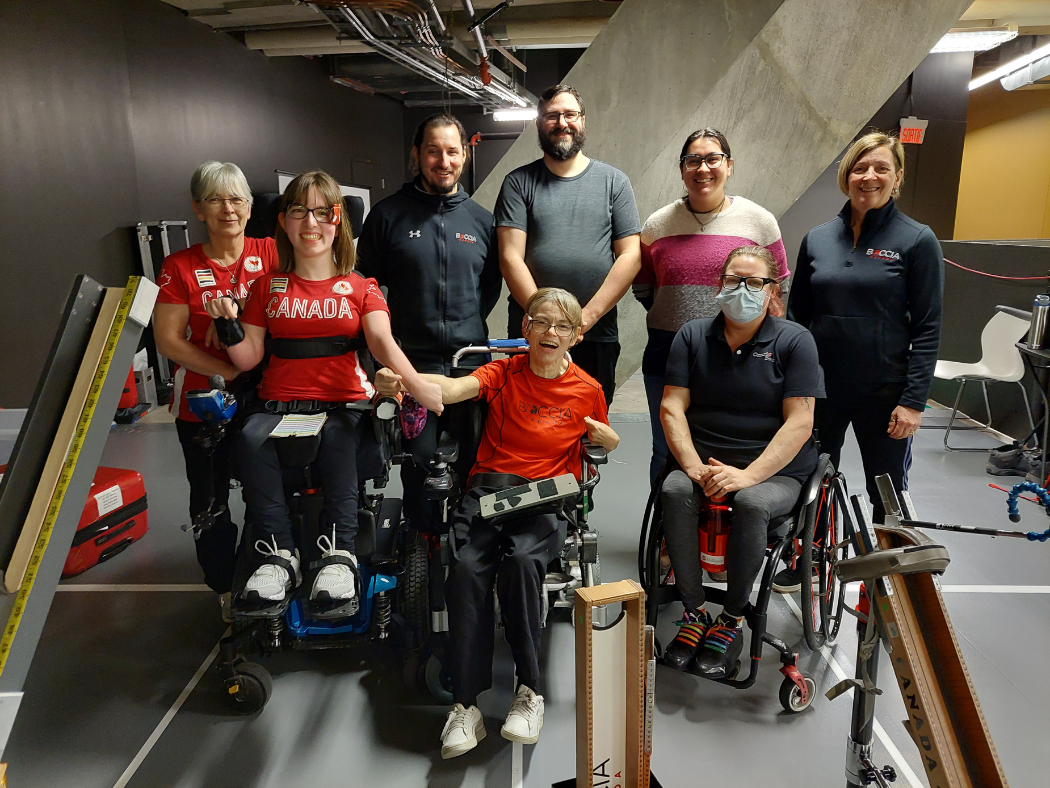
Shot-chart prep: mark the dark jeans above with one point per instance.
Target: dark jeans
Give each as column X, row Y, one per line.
column 654, row 394
column 336, row 465
column 512, row 556
column 598, row 359
column 210, row 476
column 753, row 508
column 870, row 417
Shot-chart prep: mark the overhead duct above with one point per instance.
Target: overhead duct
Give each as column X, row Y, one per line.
column 401, row 31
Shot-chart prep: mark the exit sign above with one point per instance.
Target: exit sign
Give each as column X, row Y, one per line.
column 913, row 130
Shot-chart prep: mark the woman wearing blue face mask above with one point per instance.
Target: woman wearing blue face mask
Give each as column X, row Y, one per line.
column 737, row 412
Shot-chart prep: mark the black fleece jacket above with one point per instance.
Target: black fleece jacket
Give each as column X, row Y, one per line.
column 438, row 258
column 874, row 306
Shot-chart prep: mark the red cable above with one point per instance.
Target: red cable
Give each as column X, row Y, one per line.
column 996, row 276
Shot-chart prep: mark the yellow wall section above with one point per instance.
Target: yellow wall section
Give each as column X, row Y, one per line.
column 1004, row 189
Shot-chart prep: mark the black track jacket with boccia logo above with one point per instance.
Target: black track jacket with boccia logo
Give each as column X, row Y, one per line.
column 874, row 306
column 438, row 258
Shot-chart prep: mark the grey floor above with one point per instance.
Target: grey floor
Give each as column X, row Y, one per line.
column 114, row 664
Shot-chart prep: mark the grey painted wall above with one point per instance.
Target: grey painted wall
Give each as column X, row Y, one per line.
column 106, row 109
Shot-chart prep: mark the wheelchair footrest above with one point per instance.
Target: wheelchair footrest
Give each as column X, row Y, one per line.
column 327, row 609
column 261, row 608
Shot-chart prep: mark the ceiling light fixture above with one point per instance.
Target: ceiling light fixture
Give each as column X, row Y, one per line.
column 973, row 41
column 1011, row 67
column 514, row 114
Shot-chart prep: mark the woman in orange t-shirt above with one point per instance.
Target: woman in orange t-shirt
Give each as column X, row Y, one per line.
column 540, row 405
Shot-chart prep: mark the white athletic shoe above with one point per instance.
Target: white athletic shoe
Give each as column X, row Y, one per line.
column 270, row 581
column 336, row 580
column 464, row 728
column 525, row 717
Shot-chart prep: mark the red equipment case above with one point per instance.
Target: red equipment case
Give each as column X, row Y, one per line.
column 114, row 517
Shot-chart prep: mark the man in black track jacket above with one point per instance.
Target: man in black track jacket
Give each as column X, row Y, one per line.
column 435, row 251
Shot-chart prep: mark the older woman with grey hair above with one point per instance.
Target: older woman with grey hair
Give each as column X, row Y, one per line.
column 225, row 265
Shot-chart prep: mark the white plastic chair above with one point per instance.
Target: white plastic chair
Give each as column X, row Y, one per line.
column 1000, row 361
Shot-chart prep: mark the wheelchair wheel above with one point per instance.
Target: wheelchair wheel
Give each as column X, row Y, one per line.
column 438, row 682
column 413, row 600
column 791, row 697
column 823, row 595
column 250, row 689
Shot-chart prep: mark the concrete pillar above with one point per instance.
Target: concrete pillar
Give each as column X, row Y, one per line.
column 790, row 82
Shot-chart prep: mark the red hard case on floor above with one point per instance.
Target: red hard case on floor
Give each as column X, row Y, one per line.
column 114, row 517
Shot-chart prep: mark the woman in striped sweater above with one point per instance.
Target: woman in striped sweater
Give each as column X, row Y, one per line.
column 684, row 245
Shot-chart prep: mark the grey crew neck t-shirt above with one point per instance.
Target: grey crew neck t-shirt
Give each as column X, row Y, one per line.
column 571, row 225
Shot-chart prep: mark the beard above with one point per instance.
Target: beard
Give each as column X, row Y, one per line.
column 439, row 187
column 563, row 149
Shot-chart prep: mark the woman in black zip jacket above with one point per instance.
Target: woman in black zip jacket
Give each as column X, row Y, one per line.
column 868, row 285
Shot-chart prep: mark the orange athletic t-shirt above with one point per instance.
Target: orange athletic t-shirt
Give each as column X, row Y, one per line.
column 534, row 425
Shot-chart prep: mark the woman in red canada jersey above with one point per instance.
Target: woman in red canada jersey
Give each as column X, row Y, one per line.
column 227, row 265
column 314, row 295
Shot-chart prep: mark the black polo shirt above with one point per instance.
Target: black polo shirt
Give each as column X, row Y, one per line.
column 737, row 398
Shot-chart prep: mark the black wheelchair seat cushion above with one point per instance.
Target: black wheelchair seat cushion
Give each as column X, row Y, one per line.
column 779, row 527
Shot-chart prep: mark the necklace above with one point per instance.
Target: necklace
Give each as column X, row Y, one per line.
column 233, row 279
column 696, row 214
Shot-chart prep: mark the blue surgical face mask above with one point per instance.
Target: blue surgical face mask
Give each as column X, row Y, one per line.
column 741, row 305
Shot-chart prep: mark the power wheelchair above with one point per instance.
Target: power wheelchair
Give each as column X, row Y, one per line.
column 421, row 598
column 813, row 532
column 294, row 623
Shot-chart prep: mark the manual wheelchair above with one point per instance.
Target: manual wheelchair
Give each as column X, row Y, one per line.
column 421, row 598
column 812, row 530
column 293, row 623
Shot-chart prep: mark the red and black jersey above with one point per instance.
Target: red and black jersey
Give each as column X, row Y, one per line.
column 190, row 277
column 534, row 425
column 288, row 306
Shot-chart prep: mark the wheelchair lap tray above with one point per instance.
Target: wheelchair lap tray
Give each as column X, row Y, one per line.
column 531, row 498
column 212, row 406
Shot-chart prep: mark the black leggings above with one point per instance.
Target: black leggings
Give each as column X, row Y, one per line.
column 512, row 556
column 208, row 477
column 336, row 464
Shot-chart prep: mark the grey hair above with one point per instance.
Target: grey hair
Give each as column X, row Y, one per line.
column 563, row 299
column 215, row 178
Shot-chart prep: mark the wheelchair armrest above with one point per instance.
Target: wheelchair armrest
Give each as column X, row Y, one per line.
column 594, row 454
column 447, row 449
column 812, row 485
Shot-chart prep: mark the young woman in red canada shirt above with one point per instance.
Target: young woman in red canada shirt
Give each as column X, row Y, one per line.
column 315, row 293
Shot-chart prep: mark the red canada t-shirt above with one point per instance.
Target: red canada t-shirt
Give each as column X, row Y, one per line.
column 287, row 305
column 534, row 425
column 190, row 277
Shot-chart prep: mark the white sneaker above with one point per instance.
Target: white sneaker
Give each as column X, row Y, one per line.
column 464, row 728
column 335, row 581
column 270, row 581
column 525, row 717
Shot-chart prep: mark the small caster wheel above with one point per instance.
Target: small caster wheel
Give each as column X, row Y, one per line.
column 438, row 682
column 791, row 695
column 250, row 688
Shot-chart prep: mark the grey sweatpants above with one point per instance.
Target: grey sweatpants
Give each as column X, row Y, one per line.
column 753, row 508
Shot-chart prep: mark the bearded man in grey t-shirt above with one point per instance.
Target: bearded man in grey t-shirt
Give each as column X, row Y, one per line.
column 571, row 222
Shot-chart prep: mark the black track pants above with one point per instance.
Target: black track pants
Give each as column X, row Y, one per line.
column 217, row 546
column 870, row 417
column 513, row 557
column 336, row 464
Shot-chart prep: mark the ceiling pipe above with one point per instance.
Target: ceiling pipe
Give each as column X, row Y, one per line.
column 477, row 30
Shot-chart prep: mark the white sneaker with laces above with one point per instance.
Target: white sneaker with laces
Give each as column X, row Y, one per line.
column 337, row 580
column 272, row 582
column 464, row 728
column 525, row 717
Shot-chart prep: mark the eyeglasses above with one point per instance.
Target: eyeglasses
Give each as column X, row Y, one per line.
column 542, row 327
column 321, row 215
column 571, row 116
column 692, row 161
column 753, row 283
column 218, row 202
